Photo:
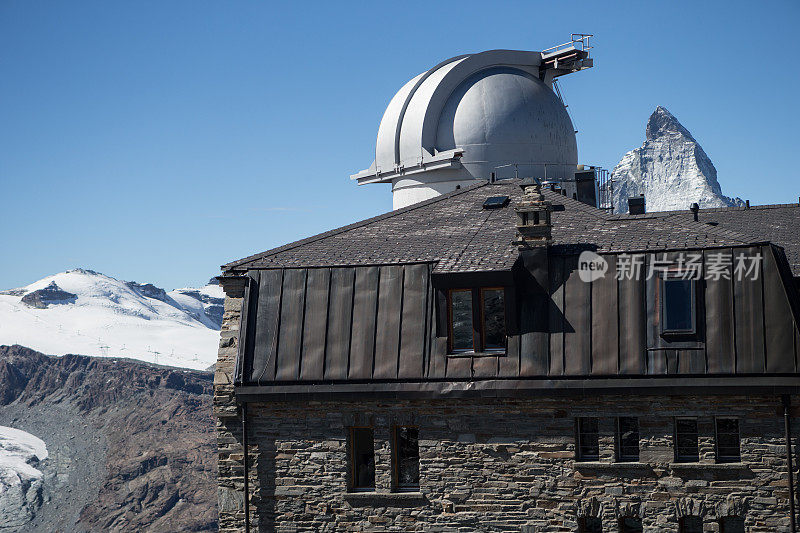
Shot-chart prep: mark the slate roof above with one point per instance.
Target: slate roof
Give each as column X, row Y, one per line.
column 779, row 224
column 456, row 232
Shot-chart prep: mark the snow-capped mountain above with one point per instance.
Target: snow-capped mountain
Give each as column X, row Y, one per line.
column 205, row 304
column 670, row 169
column 85, row 312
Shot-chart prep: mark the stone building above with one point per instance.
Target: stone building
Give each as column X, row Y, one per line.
column 503, row 357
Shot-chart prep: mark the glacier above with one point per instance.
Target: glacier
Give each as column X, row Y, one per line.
column 21, row 482
column 671, row 169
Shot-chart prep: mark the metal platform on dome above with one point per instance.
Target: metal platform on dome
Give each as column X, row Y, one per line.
column 566, row 58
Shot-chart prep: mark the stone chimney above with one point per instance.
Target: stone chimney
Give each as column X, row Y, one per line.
column 636, row 205
column 534, row 236
column 534, row 228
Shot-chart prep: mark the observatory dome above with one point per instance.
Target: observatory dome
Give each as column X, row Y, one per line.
column 471, row 117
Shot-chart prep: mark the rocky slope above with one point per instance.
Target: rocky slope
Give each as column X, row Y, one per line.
column 670, row 169
column 130, row 445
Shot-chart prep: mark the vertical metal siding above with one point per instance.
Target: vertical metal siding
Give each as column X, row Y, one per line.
column 387, row 335
column 578, row 315
column 362, row 340
column 290, row 337
column 340, row 312
column 315, row 326
column 266, row 319
column 749, row 313
column 390, row 323
column 632, row 336
column 779, row 333
column 556, row 318
column 534, row 357
column 604, row 319
column 719, row 317
column 413, row 320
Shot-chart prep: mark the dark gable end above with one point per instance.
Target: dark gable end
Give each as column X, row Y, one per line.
column 364, row 309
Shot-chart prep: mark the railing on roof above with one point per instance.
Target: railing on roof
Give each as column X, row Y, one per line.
column 580, row 41
column 605, row 189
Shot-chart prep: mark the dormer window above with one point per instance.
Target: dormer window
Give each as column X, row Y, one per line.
column 678, row 306
column 476, row 320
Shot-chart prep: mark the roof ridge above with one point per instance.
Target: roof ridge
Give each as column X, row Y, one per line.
column 718, row 209
column 354, row 225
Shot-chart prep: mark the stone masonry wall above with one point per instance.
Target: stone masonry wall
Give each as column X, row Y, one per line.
column 494, row 464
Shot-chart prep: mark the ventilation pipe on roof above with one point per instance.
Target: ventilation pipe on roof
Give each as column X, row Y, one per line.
column 636, row 205
column 694, row 208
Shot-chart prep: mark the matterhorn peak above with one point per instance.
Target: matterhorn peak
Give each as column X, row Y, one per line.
column 670, row 169
column 662, row 122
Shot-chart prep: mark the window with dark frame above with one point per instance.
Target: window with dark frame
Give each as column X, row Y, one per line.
column 406, row 458
column 362, row 459
column 678, row 306
column 590, row 524
column 630, row 524
column 476, row 320
column 588, row 445
column 686, row 446
column 727, row 440
column 627, row 440
column 731, row 524
column 690, row 524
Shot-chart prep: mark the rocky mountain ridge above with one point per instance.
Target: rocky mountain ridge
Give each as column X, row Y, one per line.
column 670, row 169
column 130, row 445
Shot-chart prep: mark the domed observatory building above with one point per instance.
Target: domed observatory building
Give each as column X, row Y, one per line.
column 484, row 116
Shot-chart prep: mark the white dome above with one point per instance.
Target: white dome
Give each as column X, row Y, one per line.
column 464, row 118
column 501, row 116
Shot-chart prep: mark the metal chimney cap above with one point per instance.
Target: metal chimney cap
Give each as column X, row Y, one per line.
column 694, row 208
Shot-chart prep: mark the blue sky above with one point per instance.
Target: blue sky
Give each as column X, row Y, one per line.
column 154, row 141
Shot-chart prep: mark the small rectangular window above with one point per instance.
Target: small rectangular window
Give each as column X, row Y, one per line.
column 362, row 459
column 406, row 458
column 494, row 312
column 727, row 441
column 461, row 331
column 590, row 524
column 678, row 308
column 588, row 445
column 630, row 524
column 627, row 439
column 690, row 524
column 476, row 320
column 686, row 447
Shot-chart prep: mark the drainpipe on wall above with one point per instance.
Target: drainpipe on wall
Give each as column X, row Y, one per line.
column 247, row 472
column 787, row 403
